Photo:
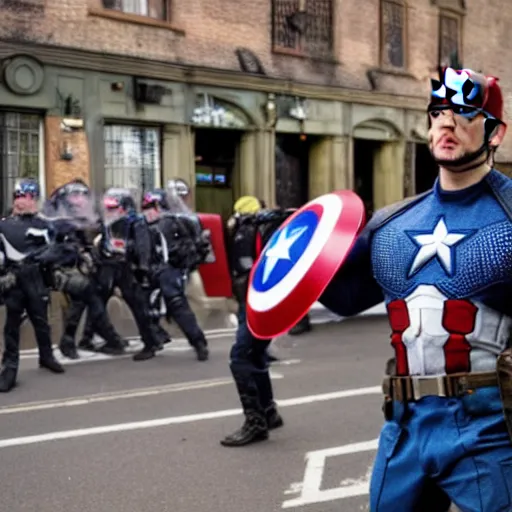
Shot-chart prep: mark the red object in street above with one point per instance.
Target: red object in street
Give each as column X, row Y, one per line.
column 299, row 260
column 215, row 272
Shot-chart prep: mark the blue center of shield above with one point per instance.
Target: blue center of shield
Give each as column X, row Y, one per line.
column 284, row 249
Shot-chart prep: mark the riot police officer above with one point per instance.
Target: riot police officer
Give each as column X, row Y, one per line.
column 126, row 248
column 73, row 202
column 178, row 248
column 249, row 230
column 21, row 234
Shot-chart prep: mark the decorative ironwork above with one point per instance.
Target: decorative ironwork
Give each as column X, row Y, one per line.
column 132, row 157
column 303, row 26
column 448, row 39
column 19, row 152
column 393, row 34
column 156, row 9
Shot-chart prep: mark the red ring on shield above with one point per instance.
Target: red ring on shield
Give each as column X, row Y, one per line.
column 275, row 311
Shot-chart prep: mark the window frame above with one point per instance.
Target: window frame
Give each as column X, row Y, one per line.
column 158, row 173
column 383, row 60
column 458, row 17
column 301, row 50
column 41, row 171
column 96, row 8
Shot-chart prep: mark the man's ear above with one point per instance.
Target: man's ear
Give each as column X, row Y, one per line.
column 497, row 134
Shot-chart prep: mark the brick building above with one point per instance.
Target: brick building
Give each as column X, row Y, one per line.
column 285, row 99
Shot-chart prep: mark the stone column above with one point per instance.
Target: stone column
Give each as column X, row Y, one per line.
column 328, row 166
column 255, row 166
column 178, row 155
column 244, row 179
column 388, row 174
column 265, row 171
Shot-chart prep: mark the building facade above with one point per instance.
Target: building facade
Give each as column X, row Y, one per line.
column 284, row 99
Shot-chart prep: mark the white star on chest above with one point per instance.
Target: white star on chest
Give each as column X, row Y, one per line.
column 280, row 250
column 438, row 244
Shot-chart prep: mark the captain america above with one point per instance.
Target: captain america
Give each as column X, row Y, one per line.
column 442, row 263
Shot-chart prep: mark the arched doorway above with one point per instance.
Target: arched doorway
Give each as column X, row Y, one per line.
column 218, row 129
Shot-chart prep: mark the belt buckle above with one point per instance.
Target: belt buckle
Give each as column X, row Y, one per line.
column 428, row 386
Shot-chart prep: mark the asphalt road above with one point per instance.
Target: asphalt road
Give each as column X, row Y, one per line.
column 115, row 435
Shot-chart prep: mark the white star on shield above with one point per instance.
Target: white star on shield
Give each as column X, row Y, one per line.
column 437, row 244
column 281, row 249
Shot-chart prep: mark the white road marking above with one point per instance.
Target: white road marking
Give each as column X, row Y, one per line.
column 108, row 397
column 287, row 362
column 174, row 420
column 177, row 345
column 310, row 488
column 135, row 340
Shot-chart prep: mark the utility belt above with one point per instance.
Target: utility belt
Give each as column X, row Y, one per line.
column 457, row 385
column 413, row 388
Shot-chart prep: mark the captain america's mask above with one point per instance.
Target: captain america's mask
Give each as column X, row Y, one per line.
column 465, row 110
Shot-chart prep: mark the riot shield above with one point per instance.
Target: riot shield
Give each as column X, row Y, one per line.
column 116, row 206
column 76, row 204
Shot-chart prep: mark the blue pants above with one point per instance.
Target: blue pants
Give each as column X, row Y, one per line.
column 250, row 369
column 459, row 445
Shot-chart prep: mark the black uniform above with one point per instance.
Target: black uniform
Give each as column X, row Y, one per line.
column 72, row 205
column 21, row 236
column 178, row 248
column 97, row 315
column 249, row 361
column 126, row 254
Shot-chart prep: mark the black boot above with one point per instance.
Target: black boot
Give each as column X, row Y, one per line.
column 202, row 351
column 87, row 344
column 274, row 419
column 253, row 430
column 67, row 348
column 50, row 363
column 160, row 335
column 113, row 348
column 145, row 354
column 255, row 426
column 7, row 379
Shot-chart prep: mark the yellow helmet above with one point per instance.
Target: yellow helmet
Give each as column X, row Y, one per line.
column 247, row 204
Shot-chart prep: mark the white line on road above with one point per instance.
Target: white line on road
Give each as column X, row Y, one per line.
column 177, row 345
column 174, row 420
column 213, row 333
column 119, row 395
column 310, row 488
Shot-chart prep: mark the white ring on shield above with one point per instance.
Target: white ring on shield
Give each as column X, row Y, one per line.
column 263, row 301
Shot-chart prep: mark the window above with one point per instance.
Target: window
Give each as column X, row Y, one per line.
column 20, row 152
column 303, row 26
column 132, row 157
column 393, row 26
column 156, row 9
column 449, row 39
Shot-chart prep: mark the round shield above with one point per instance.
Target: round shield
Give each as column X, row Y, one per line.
column 299, row 260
